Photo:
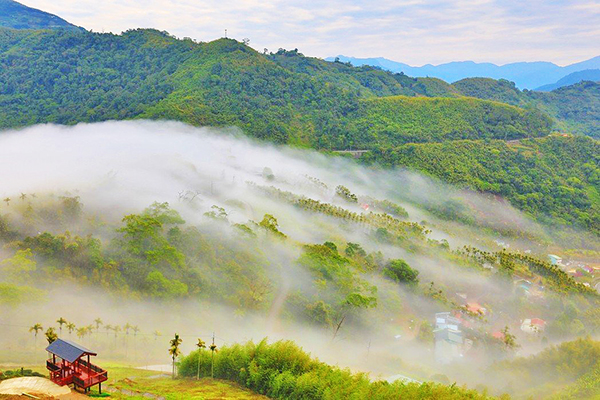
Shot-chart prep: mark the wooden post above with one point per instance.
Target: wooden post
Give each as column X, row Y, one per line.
column 100, row 388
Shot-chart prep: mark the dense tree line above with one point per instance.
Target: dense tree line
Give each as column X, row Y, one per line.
column 555, row 179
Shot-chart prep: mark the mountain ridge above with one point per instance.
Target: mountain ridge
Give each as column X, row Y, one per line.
column 526, row 75
column 19, row 16
column 592, row 75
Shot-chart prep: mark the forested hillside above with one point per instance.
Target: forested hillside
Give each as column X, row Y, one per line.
column 18, row 16
column 555, row 178
column 68, row 77
column 576, row 108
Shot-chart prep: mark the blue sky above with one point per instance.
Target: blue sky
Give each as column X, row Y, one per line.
column 411, row 31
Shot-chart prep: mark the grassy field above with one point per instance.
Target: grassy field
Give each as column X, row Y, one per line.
column 131, row 383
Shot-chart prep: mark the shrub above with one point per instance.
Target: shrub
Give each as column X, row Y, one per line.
column 282, row 370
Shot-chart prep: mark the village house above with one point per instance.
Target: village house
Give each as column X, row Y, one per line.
column 533, row 325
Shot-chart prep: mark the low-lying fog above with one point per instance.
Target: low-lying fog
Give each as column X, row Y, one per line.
column 118, row 168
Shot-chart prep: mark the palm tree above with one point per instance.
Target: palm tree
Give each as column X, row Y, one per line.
column 36, row 328
column 201, row 345
column 81, row 332
column 23, row 196
column 108, row 328
column 51, row 335
column 61, row 321
column 127, row 327
column 157, row 334
column 98, row 322
column 7, row 201
column 71, row 327
column 116, row 329
column 213, row 348
column 174, row 350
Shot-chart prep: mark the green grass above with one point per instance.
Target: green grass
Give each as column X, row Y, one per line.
column 153, row 382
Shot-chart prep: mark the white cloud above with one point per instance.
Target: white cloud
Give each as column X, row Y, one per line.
column 412, row 31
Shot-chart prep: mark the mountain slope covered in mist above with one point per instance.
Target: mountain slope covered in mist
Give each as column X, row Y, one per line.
column 254, row 240
column 69, row 77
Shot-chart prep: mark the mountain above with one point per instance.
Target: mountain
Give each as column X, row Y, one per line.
column 592, row 75
column 18, row 16
column 67, row 77
column 576, row 108
column 526, row 75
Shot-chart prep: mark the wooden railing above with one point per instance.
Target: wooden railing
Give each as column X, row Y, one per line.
column 91, row 380
column 51, row 366
column 94, row 374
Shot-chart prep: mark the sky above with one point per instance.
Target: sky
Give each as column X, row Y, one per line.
column 415, row 32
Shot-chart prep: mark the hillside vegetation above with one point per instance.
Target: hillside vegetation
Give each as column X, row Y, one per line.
column 282, row 370
column 68, row 77
column 554, row 178
column 576, row 108
column 18, row 16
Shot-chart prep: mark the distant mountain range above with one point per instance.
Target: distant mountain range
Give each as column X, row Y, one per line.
column 18, row 16
column 571, row 79
column 526, row 75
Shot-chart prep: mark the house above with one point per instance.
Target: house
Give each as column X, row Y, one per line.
column 533, row 325
column 445, row 320
column 70, row 364
column 448, row 345
column 475, row 308
column 554, row 259
column 498, row 335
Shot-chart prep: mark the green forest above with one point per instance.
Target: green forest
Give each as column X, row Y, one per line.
column 66, row 77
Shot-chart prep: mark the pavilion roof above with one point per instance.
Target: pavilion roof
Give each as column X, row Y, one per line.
column 68, row 350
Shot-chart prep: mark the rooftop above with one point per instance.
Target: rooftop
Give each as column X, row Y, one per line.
column 68, row 350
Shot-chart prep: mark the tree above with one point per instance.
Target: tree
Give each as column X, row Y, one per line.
column 81, row 332
column 35, row 329
column 98, row 322
column 7, row 201
column 71, row 327
column 213, row 349
column 174, row 350
column 509, row 339
column 399, row 271
column 61, row 321
column 426, row 334
column 201, row 345
column 270, row 223
column 51, row 335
